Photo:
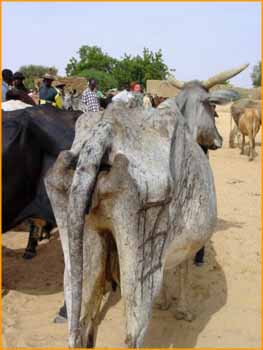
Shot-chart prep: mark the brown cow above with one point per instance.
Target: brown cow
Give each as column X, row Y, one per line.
column 237, row 109
column 249, row 125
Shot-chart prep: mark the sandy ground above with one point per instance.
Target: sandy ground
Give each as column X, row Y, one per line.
column 224, row 293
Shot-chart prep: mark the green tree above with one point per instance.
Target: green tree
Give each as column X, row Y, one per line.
column 90, row 57
column 105, row 81
column 111, row 72
column 256, row 75
column 32, row 72
column 93, row 63
column 140, row 68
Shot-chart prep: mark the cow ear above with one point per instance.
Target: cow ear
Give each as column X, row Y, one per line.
column 221, row 97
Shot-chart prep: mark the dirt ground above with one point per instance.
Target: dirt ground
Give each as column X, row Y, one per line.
column 224, row 293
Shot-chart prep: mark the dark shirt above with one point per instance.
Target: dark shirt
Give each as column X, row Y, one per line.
column 21, row 87
column 15, row 94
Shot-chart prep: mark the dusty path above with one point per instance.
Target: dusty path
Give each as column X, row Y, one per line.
column 225, row 293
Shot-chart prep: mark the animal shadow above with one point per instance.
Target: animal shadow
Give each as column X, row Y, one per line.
column 223, row 225
column 41, row 275
column 207, row 294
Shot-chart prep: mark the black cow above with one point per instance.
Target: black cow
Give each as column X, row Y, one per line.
column 32, row 139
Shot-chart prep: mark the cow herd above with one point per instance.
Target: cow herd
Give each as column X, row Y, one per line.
column 130, row 190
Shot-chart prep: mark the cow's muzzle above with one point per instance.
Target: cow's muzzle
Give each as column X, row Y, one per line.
column 218, row 143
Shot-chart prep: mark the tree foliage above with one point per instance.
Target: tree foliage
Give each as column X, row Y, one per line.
column 111, row 72
column 105, row 81
column 33, row 71
column 256, row 75
column 90, row 57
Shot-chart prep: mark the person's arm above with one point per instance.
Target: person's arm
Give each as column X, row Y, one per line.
column 27, row 99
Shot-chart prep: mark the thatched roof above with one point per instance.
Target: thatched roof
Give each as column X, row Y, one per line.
column 155, row 87
column 71, row 83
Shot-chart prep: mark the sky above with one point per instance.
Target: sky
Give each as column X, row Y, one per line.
column 197, row 39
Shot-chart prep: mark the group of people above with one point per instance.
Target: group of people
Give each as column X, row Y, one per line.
column 131, row 92
column 13, row 88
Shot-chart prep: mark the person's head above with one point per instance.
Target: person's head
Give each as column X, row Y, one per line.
column 7, row 76
column 48, row 79
column 92, row 84
column 132, row 85
column 18, row 78
column 61, row 87
column 137, row 88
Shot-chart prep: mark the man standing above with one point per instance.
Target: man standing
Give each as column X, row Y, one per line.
column 19, row 82
column 7, row 81
column 89, row 97
column 19, row 91
column 48, row 93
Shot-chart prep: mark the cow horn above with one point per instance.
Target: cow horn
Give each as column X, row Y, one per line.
column 223, row 76
column 176, row 83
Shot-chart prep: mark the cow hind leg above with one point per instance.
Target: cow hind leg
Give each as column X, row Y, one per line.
column 232, row 136
column 243, row 145
column 165, row 299
column 140, row 283
column 251, row 154
column 94, row 267
column 254, row 147
column 181, row 310
column 138, row 299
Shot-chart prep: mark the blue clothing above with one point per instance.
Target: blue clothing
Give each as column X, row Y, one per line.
column 5, row 88
column 47, row 93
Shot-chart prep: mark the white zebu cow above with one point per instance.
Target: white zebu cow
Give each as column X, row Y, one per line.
column 156, row 200
column 135, row 184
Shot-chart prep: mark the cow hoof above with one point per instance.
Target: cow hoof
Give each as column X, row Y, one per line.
column 184, row 315
column 29, row 255
column 60, row 319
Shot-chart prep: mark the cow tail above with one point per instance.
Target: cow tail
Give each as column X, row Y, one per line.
column 98, row 143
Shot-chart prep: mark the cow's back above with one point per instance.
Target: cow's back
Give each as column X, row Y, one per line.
column 145, row 139
column 238, row 107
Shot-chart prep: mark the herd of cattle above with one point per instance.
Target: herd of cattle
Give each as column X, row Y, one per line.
column 130, row 190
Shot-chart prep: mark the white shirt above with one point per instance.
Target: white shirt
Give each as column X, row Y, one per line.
column 124, row 96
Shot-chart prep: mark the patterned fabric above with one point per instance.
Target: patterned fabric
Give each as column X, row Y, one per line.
column 137, row 99
column 90, row 99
